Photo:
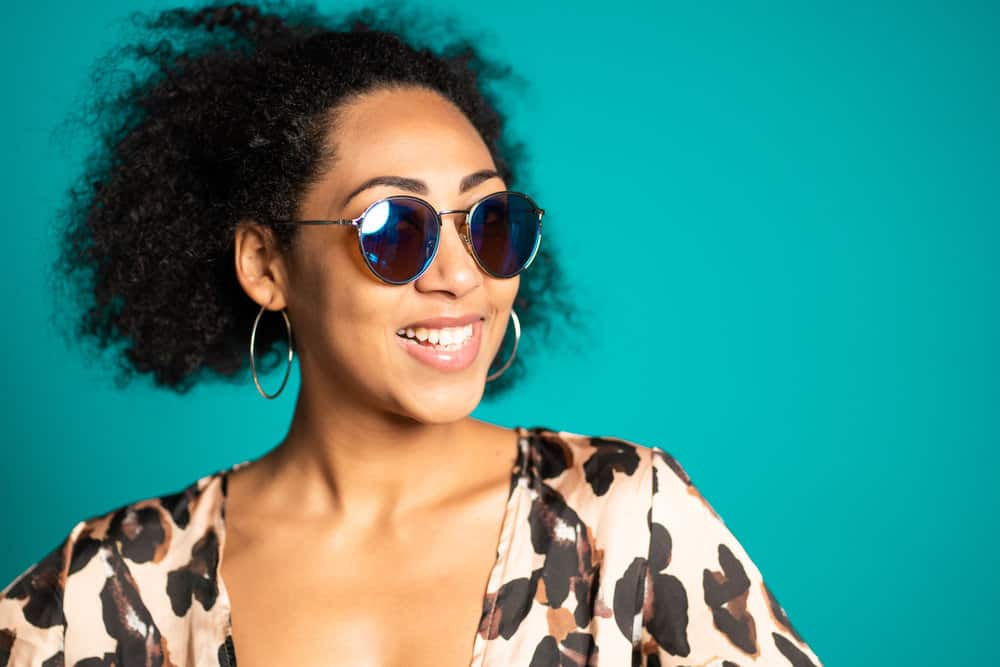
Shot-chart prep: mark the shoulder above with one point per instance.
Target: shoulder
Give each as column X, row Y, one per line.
column 602, row 483
column 62, row 587
column 636, row 499
column 606, row 464
column 150, row 529
column 31, row 608
column 682, row 583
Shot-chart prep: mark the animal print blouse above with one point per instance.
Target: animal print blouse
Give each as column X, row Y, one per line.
column 608, row 555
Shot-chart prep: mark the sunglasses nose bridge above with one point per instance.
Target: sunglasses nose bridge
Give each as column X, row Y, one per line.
column 465, row 212
column 463, row 224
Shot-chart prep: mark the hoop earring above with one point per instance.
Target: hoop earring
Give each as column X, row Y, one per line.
column 513, row 353
column 253, row 364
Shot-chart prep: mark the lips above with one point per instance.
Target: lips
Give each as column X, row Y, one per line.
column 443, row 358
column 445, row 322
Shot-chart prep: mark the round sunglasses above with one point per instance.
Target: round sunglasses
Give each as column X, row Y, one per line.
column 399, row 235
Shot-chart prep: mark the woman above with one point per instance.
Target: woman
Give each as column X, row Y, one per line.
column 338, row 182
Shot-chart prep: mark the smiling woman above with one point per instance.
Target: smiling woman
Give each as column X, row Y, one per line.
column 363, row 187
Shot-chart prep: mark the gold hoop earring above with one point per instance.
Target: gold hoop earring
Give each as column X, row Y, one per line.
column 513, row 353
column 253, row 364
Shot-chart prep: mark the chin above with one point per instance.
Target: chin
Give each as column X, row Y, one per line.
column 445, row 404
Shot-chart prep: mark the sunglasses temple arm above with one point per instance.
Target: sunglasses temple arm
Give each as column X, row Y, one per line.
column 352, row 223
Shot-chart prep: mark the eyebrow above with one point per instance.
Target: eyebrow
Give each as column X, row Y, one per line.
column 418, row 186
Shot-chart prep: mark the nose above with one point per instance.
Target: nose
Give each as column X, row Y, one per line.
column 454, row 269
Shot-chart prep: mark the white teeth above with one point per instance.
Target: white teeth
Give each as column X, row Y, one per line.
column 449, row 337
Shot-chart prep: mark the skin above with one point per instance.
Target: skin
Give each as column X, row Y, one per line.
column 375, row 521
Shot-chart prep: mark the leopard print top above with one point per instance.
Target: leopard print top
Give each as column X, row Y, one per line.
column 608, row 555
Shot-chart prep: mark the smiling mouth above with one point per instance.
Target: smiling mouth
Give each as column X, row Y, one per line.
column 448, row 338
column 449, row 349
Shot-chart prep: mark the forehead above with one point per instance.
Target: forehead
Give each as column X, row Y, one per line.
column 406, row 131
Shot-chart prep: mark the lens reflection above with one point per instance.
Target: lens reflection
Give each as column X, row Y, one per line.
column 398, row 236
column 375, row 219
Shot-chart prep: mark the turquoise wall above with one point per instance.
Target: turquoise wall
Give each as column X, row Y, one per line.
column 781, row 222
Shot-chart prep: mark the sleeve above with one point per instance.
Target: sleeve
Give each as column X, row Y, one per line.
column 705, row 601
column 32, row 624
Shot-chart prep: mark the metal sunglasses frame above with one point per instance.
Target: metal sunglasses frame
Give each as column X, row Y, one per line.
column 463, row 231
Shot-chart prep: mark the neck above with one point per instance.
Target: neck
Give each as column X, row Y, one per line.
column 353, row 463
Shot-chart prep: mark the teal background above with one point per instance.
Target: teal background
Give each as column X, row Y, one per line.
column 781, row 221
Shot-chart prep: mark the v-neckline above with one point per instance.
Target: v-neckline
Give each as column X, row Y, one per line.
column 518, row 475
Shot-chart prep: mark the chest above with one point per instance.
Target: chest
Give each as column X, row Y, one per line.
column 413, row 602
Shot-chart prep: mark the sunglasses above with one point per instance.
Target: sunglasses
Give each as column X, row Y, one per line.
column 399, row 235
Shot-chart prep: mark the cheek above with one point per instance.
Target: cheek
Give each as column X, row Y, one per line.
column 349, row 331
column 333, row 251
column 328, row 267
column 356, row 312
column 503, row 292
column 334, row 295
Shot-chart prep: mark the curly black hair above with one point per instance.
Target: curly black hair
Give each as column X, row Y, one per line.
column 216, row 114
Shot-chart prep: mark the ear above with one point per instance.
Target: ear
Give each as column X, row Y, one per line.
column 260, row 266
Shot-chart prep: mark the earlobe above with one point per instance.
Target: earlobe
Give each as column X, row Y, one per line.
column 258, row 264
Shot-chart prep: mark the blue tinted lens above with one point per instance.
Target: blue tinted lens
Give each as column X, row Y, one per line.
column 398, row 237
column 505, row 232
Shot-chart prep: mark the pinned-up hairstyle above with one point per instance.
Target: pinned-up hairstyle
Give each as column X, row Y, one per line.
column 217, row 114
